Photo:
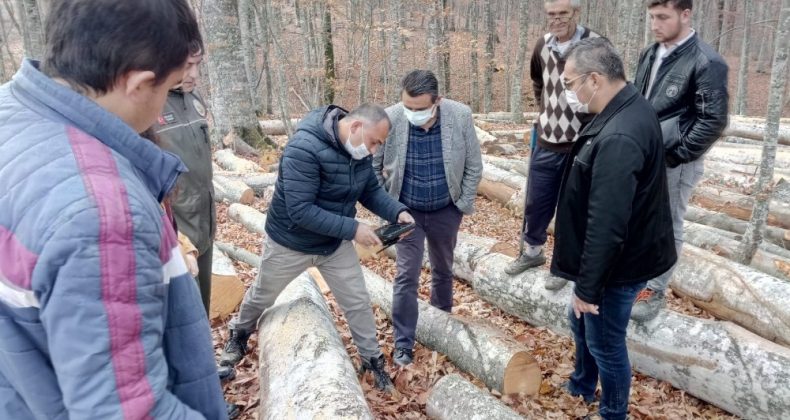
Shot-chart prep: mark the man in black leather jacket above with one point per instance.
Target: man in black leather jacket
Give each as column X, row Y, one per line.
column 686, row 82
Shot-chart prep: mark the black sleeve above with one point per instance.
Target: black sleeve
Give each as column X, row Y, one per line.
column 536, row 72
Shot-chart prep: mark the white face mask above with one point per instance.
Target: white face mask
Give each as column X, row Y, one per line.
column 573, row 101
column 419, row 118
column 360, row 152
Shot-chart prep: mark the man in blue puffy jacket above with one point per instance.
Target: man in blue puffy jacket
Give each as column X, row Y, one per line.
column 98, row 316
column 325, row 170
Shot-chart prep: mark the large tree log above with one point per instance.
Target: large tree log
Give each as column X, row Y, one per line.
column 239, row 254
column 499, row 361
column 226, row 159
column 305, row 371
column 503, row 116
column 716, row 361
column 227, row 290
column 276, row 127
column 739, row 205
column 730, row 291
column 753, row 131
column 453, row 397
column 519, row 166
column 483, row 137
column 772, row 234
column 769, row 258
column 250, row 218
column 259, row 183
column 232, row 191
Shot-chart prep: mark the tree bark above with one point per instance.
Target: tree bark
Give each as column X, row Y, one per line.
column 251, row 219
column 499, row 361
column 453, row 397
column 760, row 214
column 329, row 56
column 230, row 162
column 393, row 60
column 516, row 105
column 304, row 368
column 32, row 29
column 231, row 102
column 769, row 259
column 247, row 32
column 475, row 65
column 227, row 290
column 740, row 206
column 488, row 78
column 774, row 235
column 364, row 71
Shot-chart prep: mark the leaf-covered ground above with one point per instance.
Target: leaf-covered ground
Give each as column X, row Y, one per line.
column 650, row 398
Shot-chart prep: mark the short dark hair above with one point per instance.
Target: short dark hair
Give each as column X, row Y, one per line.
column 92, row 43
column 370, row 113
column 677, row 4
column 420, row 82
column 596, row 55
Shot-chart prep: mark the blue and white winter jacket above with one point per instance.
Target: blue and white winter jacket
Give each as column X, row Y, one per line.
column 98, row 316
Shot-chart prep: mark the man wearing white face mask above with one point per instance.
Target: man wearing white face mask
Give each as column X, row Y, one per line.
column 560, row 120
column 325, row 170
column 432, row 164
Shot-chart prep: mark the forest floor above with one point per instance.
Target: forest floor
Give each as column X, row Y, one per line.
column 650, row 398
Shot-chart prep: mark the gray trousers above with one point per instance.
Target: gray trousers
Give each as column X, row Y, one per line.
column 681, row 181
column 343, row 275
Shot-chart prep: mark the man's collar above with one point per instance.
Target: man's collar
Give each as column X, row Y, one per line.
column 554, row 42
column 679, row 43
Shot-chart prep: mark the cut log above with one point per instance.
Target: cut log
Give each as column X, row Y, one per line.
column 519, row 166
column 503, row 116
column 716, row 361
column 259, row 183
column 510, row 179
column 229, row 161
column 231, row 190
column 484, row 137
column 519, row 134
column 276, row 127
column 731, row 291
column 739, row 205
column 453, row 397
column 501, row 150
column 499, row 361
column 227, row 290
column 238, row 145
column 305, row 371
column 239, row 254
column 769, row 258
column 250, row 218
column 772, row 234
column 753, row 132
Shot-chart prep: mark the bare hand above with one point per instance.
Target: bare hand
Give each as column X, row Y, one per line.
column 581, row 307
column 366, row 237
column 405, row 217
column 192, row 265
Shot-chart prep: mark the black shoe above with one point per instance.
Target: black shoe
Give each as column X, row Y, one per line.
column 226, row 373
column 377, row 366
column 233, row 410
column 402, row 356
column 235, row 348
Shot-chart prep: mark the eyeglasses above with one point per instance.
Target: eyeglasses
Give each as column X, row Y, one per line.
column 560, row 19
column 567, row 85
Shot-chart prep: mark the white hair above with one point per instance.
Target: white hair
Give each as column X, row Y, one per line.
column 576, row 4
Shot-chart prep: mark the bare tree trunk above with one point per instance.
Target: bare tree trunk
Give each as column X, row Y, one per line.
column 280, row 70
column 329, row 56
column 488, row 78
column 393, row 69
column 729, row 19
column 766, row 45
column 720, row 28
column 32, row 28
column 434, row 26
column 231, row 102
column 444, row 48
column 754, row 233
column 508, row 57
column 518, row 76
column 635, row 24
column 364, row 68
column 475, row 65
column 246, row 30
column 262, row 15
column 5, row 33
column 743, row 68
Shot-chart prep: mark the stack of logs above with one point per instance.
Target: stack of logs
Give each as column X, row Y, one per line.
column 739, row 362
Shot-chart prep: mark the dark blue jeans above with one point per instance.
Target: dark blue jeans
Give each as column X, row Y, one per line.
column 601, row 351
column 440, row 228
column 545, row 176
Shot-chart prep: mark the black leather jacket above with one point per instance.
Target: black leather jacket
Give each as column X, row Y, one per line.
column 690, row 97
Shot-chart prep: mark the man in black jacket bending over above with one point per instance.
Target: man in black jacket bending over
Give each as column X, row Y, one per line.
column 325, row 170
column 613, row 229
column 686, row 82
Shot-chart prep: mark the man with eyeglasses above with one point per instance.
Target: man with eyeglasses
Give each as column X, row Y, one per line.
column 557, row 128
column 686, row 82
column 613, row 230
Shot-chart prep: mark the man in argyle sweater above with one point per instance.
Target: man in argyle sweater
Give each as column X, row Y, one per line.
column 557, row 127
